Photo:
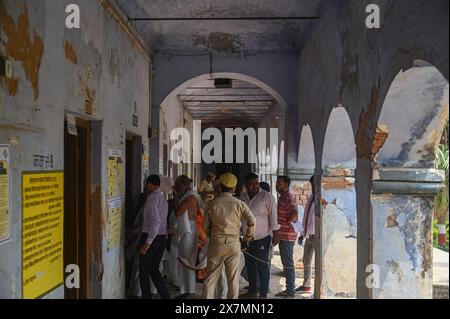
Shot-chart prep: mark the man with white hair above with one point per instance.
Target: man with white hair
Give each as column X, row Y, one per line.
column 186, row 211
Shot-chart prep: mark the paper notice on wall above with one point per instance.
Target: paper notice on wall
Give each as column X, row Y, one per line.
column 5, row 215
column 71, row 124
column 115, row 203
column 115, row 213
column 42, row 232
column 115, row 173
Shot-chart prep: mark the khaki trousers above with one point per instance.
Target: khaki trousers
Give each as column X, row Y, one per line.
column 226, row 254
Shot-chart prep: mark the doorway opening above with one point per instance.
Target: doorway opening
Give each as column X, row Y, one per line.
column 133, row 198
column 77, row 181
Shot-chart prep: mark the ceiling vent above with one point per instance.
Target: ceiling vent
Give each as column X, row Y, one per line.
column 223, row 83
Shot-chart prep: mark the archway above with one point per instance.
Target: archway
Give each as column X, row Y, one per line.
column 223, row 101
column 301, row 172
column 405, row 182
column 337, row 239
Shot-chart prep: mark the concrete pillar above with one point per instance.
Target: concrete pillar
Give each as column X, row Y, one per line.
column 402, row 203
column 363, row 177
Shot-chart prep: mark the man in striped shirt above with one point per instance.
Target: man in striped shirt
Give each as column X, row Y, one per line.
column 287, row 213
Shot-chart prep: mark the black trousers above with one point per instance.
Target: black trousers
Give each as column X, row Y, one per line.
column 149, row 267
column 258, row 268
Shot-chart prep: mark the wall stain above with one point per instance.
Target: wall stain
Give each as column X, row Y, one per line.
column 336, row 182
column 96, row 232
column 20, row 47
column 395, row 268
column 392, row 219
column 89, row 100
column 364, row 138
column 87, row 92
column 219, row 41
column 70, row 52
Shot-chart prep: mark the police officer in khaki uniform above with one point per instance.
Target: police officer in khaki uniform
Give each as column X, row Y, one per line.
column 222, row 223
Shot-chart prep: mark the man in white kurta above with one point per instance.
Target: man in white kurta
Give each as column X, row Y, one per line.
column 186, row 210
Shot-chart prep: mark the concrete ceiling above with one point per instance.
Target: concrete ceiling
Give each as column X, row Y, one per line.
column 243, row 103
column 221, row 36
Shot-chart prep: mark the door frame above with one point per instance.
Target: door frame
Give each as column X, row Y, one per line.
column 83, row 223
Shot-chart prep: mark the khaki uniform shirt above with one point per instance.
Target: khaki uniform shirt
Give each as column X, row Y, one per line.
column 222, row 218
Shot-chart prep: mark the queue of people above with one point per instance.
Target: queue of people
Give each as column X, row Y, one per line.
column 211, row 236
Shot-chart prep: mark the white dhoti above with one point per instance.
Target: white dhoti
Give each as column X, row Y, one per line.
column 171, row 263
column 187, row 249
column 171, row 256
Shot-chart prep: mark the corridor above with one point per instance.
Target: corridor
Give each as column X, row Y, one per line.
column 97, row 95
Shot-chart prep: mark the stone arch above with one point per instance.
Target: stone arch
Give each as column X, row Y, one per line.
column 302, row 169
column 413, row 113
column 338, row 223
column 339, row 143
column 279, row 107
column 228, row 75
column 306, row 158
column 410, row 125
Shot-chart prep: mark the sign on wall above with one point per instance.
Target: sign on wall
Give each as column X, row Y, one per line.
column 115, row 173
column 5, row 215
column 42, row 232
column 115, row 209
column 115, row 204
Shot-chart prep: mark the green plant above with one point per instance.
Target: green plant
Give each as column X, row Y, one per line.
column 442, row 198
column 441, row 201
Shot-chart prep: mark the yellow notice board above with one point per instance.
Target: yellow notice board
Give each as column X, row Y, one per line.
column 115, row 173
column 115, row 193
column 115, row 209
column 5, row 216
column 42, row 232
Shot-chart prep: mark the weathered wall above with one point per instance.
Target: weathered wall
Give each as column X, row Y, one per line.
column 344, row 63
column 339, row 221
column 96, row 73
column 414, row 111
column 402, row 247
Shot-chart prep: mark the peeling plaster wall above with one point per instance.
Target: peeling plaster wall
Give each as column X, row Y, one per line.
column 402, row 246
column 343, row 63
column 339, row 242
column 339, row 220
column 415, row 110
column 95, row 72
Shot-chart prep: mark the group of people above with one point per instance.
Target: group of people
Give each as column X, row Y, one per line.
column 202, row 235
